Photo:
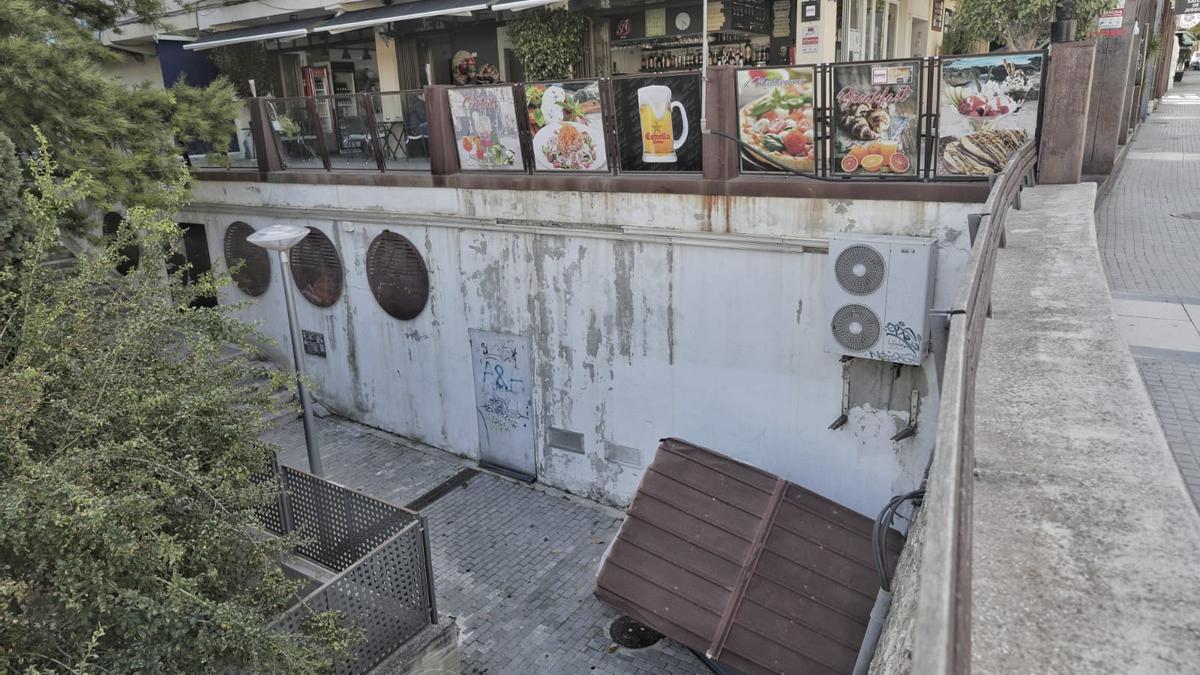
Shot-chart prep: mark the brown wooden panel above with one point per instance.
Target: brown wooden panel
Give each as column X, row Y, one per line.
column 813, row 527
column 660, row 602
column 764, row 655
column 688, row 556
column 857, row 573
column 819, row 587
column 822, row 618
column 701, row 503
column 796, row 636
column 664, row 574
column 689, row 528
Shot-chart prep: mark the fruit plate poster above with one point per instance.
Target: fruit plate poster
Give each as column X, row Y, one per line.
column 775, row 119
column 988, row 108
column 566, row 125
column 876, row 119
column 485, row 128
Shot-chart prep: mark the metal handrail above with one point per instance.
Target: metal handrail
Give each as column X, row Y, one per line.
column 941, row 642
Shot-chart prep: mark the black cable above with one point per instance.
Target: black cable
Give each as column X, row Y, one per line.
column 883, row 525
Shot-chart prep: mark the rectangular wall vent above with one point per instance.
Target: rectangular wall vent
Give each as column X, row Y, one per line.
column 615, row 452
column 570, row 441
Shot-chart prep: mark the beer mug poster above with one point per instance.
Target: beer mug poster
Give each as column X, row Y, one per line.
column 775, row 119
column 658, row 122
column 876, row 119
column 485, row 128
column 988, row 110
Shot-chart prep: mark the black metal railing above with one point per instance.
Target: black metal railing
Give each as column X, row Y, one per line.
column 384, row 582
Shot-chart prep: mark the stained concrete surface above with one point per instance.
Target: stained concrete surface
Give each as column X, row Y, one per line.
column 1086, row 545
column 514, row 563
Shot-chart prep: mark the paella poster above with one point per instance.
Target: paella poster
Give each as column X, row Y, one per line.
column 565, row 120
column 485, row 128
column 988, row 109
column 775, row 119
column 876, row 119
column 658, row 122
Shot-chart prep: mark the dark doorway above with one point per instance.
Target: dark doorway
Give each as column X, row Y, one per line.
column 130, row 253
column 514, row 70
column 195, row 253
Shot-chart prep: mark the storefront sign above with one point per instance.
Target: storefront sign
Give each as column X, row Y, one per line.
column 876, row 119
column 485, row 128
column 988, row 109
column 1111, row 19
column 810, row 10
column 1187, row 7
column 565, row 120
column 658, row 122
column 775, row 118
column 937, row 20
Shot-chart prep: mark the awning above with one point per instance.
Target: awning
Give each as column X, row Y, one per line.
column 421, row 9
column 283, row 30
column 763, row 575
column 518, row 5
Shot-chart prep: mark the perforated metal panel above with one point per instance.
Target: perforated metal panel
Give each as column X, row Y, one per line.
column 860, row 270
column 397, row 275
column 250, row 265
column 855, row 327
column 317, row 269
column 269, row 515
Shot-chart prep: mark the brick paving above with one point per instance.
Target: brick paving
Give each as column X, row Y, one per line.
column 515, row 563
column 1152, row 253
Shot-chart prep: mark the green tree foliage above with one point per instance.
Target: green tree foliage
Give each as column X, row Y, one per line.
column 12, row 217
column 548, row 42
column 1020, row 24
column 51, row 76
column 245, row 62
column 126, row 450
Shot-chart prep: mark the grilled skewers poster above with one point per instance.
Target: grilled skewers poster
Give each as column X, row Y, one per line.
column 876, row 119
column 989, row 108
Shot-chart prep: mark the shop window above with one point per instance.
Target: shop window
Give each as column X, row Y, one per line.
column 397, row 275
column 254, row 274
column 132, row 253
column 317, row 269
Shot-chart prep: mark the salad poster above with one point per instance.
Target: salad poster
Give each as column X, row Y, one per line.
column 658, row 122
column 485, row 128
column 988, row 110
column 775, row 118
column 565, row 120
column 876, row 119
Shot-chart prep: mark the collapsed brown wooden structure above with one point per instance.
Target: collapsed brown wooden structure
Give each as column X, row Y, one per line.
column 759, row 573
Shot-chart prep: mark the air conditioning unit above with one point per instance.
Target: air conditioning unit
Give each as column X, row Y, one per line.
column 878, row 296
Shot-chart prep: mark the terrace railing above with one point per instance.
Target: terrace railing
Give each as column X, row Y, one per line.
column 942, row 616
column 384, row 582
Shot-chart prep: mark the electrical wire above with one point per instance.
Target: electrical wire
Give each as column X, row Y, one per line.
column 881, row 529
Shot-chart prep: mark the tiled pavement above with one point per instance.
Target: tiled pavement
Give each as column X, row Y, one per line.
column 515, row 563
column 1148, row 228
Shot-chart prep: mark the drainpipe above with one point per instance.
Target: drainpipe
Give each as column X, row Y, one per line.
column 879, row 612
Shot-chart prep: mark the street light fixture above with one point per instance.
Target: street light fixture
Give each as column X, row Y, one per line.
column 281, row 238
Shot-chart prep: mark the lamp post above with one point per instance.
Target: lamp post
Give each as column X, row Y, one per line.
column 281, row 238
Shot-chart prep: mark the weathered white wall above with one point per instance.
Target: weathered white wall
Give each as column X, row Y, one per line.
column 644, row 322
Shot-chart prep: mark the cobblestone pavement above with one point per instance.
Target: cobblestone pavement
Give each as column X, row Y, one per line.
column 515, row 563
column 1148, row 229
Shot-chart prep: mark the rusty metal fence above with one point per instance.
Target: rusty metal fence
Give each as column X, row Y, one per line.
column 384, row 585
column 942, row 616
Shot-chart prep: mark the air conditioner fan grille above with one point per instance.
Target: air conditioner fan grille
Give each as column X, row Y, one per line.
column 855, row 327
column 860, row 270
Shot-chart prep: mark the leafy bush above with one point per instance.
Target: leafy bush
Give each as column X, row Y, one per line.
column 548, row 42
column 126, row 450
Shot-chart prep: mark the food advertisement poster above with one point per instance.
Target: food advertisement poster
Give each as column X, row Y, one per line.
column 876, row 119
column 988, row 109
column 565, row 121
column 485, row 128
column 775, row 119
column 658, row 122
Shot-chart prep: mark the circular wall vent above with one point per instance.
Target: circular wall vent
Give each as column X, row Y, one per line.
column 317, row 269
column 132, row 253
column 860, row 270
column 855, row 327
column 253, row 265
column 397, row 275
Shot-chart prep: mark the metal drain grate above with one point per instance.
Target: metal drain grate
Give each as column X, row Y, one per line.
column 631, row 634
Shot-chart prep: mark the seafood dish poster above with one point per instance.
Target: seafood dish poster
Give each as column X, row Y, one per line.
column 658, row 122
column 988, row 108
column 876, row 119
column 775, row 119
column 485, row 129
column 566, row 123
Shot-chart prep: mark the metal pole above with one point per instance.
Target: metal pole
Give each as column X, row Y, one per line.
column 704, row 66
column 310, row 433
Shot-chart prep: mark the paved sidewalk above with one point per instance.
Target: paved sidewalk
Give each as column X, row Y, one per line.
column 1148, row 228
column 515, row 563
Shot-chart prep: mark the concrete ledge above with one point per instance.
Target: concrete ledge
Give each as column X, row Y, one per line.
column 1086, row 545
column 433, row 651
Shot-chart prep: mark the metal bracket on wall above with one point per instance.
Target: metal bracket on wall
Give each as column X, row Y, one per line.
column 845, row 416
column 914, row 407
